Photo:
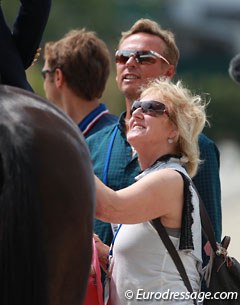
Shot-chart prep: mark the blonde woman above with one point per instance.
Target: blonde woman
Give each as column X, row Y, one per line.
column 163, row 130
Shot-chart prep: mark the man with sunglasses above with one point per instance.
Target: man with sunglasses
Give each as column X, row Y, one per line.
column 20, row 47
column 146, row 52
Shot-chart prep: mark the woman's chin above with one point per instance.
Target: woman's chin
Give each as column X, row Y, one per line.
column 134, row 136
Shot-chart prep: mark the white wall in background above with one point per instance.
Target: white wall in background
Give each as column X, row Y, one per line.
column 230, row 182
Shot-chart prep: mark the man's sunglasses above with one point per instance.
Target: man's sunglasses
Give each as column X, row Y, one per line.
column 48, row 71
column 152, row 108
column 45, row 72
column 141, row 57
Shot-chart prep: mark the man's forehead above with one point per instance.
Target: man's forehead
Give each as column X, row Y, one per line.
column 143, row 41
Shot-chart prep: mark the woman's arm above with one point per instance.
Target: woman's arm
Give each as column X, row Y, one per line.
column 158, row 194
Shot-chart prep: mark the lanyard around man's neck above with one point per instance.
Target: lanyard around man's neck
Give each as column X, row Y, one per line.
column 108, row 157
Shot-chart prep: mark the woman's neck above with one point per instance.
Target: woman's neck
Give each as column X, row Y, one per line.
column 147, row 161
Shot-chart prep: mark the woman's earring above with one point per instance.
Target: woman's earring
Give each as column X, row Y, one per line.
column 170, row 140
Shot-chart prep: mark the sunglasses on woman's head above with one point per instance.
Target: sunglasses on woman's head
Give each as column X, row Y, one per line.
column 152, row 108
column 141, row 57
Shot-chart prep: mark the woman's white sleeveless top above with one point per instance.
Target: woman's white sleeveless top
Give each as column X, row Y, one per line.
column 142, row 270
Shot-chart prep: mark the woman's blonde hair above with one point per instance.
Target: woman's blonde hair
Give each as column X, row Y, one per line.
column 186, row 111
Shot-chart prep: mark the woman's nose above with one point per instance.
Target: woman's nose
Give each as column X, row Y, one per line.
column 138, row 113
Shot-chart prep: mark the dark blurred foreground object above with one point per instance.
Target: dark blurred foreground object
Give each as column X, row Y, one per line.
column 19, row 48
column 47, row 197
column 234, row 69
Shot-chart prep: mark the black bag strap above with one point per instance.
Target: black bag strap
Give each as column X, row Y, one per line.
column 207, row 229
column 206, row 226
column 206, row 222
column 173, row 252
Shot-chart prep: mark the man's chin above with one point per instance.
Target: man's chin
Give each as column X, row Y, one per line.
column 130, row 92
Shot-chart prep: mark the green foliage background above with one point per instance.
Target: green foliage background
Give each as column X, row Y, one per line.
column 206, row 72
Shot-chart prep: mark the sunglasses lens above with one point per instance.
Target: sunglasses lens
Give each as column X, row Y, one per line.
column 146, row 58
column 153, row 106
column 121, row 58
column 149, row 107
column 135, row 105
column 142, row 57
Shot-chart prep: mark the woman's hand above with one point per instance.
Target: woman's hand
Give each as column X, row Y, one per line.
column 102, row 250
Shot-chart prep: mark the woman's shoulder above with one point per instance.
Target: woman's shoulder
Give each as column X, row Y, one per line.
column 172, row 167
column 163, row 182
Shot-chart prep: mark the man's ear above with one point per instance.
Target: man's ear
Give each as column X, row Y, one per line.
column 170, row 71
column 58, row 77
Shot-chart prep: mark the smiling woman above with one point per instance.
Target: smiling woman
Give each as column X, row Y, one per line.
column 164, row 129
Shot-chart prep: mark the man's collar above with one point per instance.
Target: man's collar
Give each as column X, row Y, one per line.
column 121, row 122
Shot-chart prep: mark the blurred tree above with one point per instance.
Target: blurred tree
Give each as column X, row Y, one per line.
column 66, row 15
column 223, row 110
